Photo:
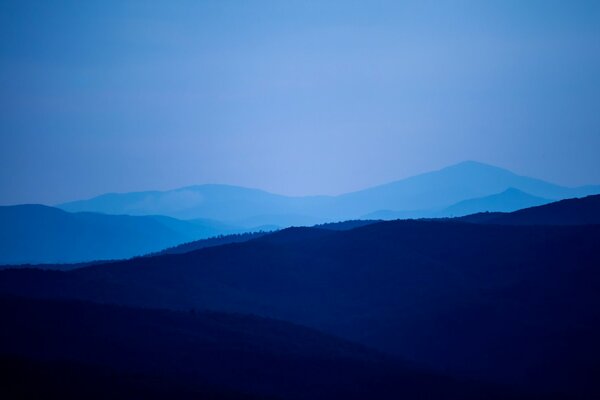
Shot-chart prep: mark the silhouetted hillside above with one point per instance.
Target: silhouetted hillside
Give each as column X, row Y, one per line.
column 205, row 353
column 346, row 225
column 211, row 242
column 41, row 234
column 244, row 237
column 582, row 211
column 515, row 304
column 24, row 379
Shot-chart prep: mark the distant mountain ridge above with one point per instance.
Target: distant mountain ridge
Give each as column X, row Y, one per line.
column 511, row 299
column 42, row 234
column 423, row 195
column 492, row 300
column 102, row 228
column 21, row 245
column 509, row 200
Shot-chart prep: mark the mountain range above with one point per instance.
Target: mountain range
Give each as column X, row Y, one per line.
column 118, row 226
column 420, row 196
column 42, row 234
column 509, row 200
column 513, row 303
column 203, row 355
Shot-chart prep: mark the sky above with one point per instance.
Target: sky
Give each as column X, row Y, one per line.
column 293, row 97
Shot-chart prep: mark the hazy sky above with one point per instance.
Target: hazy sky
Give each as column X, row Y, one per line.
column 295, row 97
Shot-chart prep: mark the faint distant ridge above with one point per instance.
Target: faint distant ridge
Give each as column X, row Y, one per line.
column 212, row 201
column 424, row 195
column 578, row 211
column 33, row 233
column 509, row 200
column 428, row 195
column 582, row 211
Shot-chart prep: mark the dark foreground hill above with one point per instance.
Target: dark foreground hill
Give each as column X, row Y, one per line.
column 244, row 237
column 71, row 349
column 513, row 304
column 25, row 378
column 582, row 211
column 193, row 245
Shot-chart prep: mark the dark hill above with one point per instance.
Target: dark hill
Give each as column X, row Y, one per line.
column 25, row 378
column 578, row 211
column 244, row 237
column 165, row 354
column 211, row 242
column 518, row 304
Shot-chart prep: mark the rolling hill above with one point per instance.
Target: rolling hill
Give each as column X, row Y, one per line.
column 511, row 304
column 584, row 211
column 162, row 354
column 41, row 234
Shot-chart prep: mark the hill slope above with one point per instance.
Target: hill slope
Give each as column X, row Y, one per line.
column 41, row 234
column 516, row 304
column 582, row 211
column 429, row 193
column 209, row 355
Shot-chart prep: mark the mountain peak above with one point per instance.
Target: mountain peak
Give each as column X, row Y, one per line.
column 471, row 165
column 514, row 191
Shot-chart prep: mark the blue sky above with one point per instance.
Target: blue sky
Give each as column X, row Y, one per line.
column 295, row 97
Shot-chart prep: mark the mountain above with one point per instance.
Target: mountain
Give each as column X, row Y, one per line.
column 582, row 211
column 219, row 202
column 510, row 304
column 205, row 355
column 41, row 234
column 198, row 244
column 509, row 200
column 419, row 196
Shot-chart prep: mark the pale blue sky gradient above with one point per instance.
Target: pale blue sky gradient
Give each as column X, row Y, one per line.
column 294, row 97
